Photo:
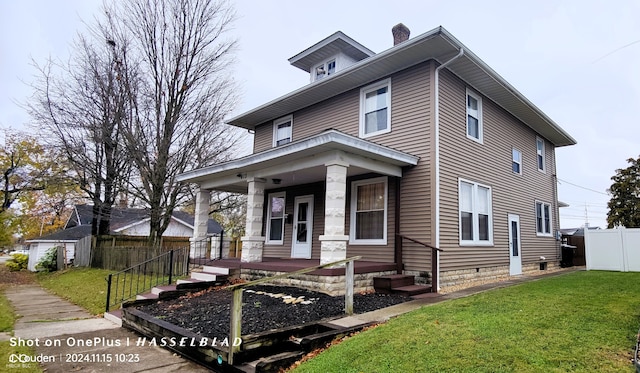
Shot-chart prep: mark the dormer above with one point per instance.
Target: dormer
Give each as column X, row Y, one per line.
column 329, row 56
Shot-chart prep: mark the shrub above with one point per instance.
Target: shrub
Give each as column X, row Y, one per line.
column 18, row 262
column 49, row 262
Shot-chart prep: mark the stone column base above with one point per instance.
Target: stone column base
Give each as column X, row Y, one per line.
column 252, row 248
column 333, row 248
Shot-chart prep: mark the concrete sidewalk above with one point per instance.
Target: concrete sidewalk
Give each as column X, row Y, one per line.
column 73, row 340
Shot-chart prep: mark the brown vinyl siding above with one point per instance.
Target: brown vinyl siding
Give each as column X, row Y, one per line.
column 490, row 164
column 411, row 115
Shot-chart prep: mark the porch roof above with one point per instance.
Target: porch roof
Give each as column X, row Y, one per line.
column 302, row 162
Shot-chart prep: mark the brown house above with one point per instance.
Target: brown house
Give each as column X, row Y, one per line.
column 388, row 155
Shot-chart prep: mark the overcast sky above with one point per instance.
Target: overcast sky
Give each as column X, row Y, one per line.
column 575, row 60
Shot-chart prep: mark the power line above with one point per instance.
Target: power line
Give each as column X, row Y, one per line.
column 581, row 187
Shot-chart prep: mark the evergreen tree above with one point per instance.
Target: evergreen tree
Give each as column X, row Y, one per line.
column 624, row 206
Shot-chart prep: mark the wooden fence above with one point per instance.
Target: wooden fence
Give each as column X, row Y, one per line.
column 120, row 252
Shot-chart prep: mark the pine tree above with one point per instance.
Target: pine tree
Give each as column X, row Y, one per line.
column 624, row 206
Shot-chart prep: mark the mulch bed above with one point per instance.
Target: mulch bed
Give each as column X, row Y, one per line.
column 265, row 307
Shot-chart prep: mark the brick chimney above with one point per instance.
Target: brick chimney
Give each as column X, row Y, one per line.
column 400, row 33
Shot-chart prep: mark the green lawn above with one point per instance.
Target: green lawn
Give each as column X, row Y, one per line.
column 583, row 321
column 85, row 287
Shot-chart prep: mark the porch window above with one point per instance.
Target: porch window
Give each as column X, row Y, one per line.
column 369, row 212
column 282, row 130
column 476, row 221
column 275, row 219
column 375, row 109
column 543, row 219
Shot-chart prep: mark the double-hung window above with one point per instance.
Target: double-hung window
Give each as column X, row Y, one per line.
column 476, row 221
column 375, row 109
column 540, row 153
column 516, row 161
column 282, row 130
column 368, row 224
column 275, row 218
column 474, row 116
column 543, row 219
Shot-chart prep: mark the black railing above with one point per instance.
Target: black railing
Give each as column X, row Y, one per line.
column 434, row 258
column 158, row 271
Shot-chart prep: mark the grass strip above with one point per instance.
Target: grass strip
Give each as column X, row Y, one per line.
column 583, row 321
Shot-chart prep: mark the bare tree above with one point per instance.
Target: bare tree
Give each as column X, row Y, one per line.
column 82, row 108
column 182, row 94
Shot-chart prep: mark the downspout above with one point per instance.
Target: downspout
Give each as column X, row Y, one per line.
column 437, row 158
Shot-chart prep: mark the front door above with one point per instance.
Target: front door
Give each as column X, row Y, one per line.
column 515, row 252
column 302, row 226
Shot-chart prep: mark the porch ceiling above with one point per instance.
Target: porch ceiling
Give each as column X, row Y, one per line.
column 302, row 162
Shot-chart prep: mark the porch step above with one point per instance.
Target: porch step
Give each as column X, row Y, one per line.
column 205, row 276
column 160, row 289
column 385, row 284
column 147, row 296
column 412, row 290
column 216, row 270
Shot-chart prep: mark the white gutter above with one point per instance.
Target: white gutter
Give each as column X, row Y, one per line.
column 437, row 140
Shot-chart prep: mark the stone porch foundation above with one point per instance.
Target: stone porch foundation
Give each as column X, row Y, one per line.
column 331, row 285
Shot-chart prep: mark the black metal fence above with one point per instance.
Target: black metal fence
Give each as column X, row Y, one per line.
column 157, row 271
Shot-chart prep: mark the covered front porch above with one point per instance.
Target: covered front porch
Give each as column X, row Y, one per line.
column 319, row 199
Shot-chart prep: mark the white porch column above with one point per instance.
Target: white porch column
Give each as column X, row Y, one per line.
column 333, row 244
column 198, row 245
column 253, row 242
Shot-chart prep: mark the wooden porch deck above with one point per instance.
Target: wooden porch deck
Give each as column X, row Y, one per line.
column 292, row 265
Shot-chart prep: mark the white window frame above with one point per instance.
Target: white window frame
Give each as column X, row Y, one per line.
column 276, row 123
column 516, row 161
column 478, row 116
column 325, row 67
column 475, row 221
column 269, row 218
column 540, row 154
column 544, row 232
column 354, row 203
column 363, row 93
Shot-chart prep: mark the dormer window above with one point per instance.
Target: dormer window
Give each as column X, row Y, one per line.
column 325, row 69
column 282, row 130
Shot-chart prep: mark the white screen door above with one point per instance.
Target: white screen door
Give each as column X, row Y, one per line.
column 515, row 249
column 302, row 227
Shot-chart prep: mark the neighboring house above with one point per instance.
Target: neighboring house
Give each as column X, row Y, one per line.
column 124, row 221
column 422, row 140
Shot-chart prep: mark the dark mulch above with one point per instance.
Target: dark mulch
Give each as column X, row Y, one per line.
column 207, row 312
column 8, row 278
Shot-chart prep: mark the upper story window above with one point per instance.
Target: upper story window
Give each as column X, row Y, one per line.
column 543, row 219
column 369, row 211
column 516, row 161
column 474, row 116
column 282, row 130
column 476, row 220
column 375, row 109
column 325, row 69
column 275, row 218
column 540, row 153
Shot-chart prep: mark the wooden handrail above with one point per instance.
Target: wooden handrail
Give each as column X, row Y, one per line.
column 434, row 259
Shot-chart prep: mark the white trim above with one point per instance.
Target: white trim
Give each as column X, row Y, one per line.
column 268, row 224
column 535, row 212
column 543, row 155
column 514, row 161
column 478, row 116
column 475, row 222
column 363, row 92
column 296, row 210
column 353, row 204
column 515, row 262
column 276, row 123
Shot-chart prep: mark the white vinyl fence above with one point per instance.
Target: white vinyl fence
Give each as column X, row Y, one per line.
column 613, row 249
